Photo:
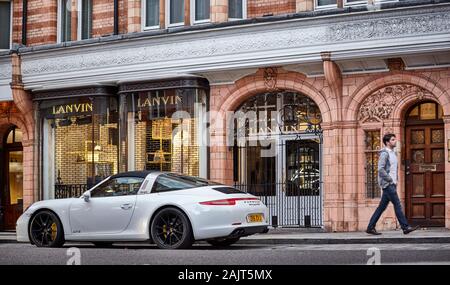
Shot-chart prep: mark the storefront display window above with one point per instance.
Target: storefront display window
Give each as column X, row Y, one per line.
column 80, row 141
column 165, row 131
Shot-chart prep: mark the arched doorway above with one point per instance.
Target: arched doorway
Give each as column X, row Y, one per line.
column 12, row 179
column 425, row 165
column 277, row 154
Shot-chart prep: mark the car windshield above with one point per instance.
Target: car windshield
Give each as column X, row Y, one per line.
column 172, row 181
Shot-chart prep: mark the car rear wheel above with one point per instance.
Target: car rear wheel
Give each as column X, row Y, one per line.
column 46, row 230
column 223, row 242
column 170, row 229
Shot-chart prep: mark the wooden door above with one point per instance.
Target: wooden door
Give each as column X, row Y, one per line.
column 425, row 175
column 13, row 188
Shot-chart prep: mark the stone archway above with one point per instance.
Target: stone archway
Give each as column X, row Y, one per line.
column 383, row 103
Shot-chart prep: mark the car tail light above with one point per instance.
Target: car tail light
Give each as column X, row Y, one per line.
column 226, row 202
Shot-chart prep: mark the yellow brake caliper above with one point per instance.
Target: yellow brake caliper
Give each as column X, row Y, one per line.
column 165, row 231
column 54, row 231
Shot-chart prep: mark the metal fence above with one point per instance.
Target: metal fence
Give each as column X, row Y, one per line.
column 290, row 183
column 69, row 191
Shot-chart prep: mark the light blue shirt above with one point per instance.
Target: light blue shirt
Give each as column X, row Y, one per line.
column 394, row 165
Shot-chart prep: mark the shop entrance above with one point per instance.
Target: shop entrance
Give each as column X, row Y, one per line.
column 425, row 165
column 12, row 179
column 277, row 157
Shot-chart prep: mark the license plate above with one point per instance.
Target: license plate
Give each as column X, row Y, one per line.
column 255, row 218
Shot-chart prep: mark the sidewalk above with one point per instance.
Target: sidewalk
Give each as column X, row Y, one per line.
column 313, row 236
column 308, row 236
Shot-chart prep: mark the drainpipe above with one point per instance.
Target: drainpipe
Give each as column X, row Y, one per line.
column 116, row 17
column 24, row 21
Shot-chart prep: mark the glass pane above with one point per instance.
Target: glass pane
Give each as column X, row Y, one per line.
column 428, row 111
column 372, row 140
column 86, row 24
column 15, row 177
column 152, row 13
column 5, row 24
column 85, row 138
column 163, row 141
column 10, row 138
column 235, row 10
column 66, row 15
column 437, row 136
column 418, row 137
column 437, row 155
column 414, row 112
column 326, row 2
column 18, row 136
column 202, row 8
column 418, row 156
column 176, row 11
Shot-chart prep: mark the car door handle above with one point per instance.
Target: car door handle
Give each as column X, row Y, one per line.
column 126, row 206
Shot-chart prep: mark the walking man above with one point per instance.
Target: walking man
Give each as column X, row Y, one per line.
column 387, row 179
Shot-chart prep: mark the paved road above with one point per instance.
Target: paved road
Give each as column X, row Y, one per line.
column 14, row 253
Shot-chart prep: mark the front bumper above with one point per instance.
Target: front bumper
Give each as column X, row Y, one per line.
column 22, row 228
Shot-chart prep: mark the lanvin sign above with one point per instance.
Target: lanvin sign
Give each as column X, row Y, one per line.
column 155, row 101
column 77, row 108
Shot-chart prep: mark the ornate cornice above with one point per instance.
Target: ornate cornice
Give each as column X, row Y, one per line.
column 277, row 43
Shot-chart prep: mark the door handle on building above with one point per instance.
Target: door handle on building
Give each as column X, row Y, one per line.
column 126, row 206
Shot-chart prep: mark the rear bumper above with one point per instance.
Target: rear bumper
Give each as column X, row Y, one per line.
column 246, row 231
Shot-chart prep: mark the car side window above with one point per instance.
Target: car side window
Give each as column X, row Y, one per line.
column 120, row 186
column 164, row 183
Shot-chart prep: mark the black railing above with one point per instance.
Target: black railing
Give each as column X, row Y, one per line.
column 69, row 190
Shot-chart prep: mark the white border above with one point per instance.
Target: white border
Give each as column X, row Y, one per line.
column 356, row 3
column 144, row 16
column 193, row 20
column 11, row 7
column 244, row 12
column 168, row 24
column 324, row 7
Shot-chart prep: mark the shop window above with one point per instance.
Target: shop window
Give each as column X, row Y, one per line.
column 176, row 12
column 151, row 16
column 80, row 144
column 167, row 131
column 5, row 24
column 372, row 147
column 237, row 9
column 201, row 10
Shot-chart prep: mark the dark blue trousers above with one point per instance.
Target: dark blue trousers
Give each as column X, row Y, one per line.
column 389, row 194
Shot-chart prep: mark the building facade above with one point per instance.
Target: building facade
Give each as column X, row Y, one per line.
column 284, row 99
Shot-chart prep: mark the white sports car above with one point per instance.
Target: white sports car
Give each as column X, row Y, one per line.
column 169, row 209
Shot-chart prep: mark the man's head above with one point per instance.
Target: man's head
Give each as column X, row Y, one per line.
column 389, row 140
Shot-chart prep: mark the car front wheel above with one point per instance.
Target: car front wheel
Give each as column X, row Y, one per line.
column 170, row 229
column 46, row 230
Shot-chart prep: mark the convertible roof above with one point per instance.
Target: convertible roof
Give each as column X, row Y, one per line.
column 141, row 174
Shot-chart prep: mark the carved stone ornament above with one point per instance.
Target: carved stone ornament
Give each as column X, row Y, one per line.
column 379, row 105
column 270, row 78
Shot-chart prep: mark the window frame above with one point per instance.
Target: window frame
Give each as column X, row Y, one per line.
column 193, row 20
column 356, row 3
column 11, row 14
column 59, row 22
column 373, row 152
column 244, row 12
column 324, row 7
column 111, row 180
column 178, row 24
column 144, row 17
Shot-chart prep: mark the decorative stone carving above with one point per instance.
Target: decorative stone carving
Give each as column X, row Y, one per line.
column 379, row 105
column 270, row 78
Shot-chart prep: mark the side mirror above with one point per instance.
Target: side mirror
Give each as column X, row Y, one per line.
column 86, row 196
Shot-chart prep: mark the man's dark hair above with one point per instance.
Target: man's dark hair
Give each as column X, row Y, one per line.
column 387, row 137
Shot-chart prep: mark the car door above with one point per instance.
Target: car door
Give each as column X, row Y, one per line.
column 109, row 208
